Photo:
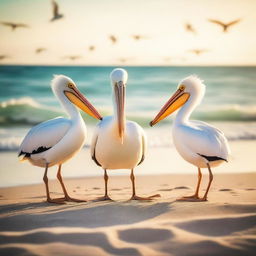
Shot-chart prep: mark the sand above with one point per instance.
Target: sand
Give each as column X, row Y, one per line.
column 224, row 225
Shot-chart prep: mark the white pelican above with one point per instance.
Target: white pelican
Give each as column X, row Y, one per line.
column 57, row 140
column 118, row 143
column 197, row 142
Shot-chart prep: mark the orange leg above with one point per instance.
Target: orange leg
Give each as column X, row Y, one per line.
column 134, row 196
column 105, row 197
column 49, row 199
column 195, row 196
column 67, row 197
column 204, row 198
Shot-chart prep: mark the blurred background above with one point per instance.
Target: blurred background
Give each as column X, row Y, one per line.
column 158, row 42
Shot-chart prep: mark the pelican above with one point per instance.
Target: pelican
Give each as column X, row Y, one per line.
column 118, row 143
column 197, row 142
column 57, row 140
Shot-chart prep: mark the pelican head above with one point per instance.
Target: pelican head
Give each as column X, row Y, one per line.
column 189, row 89
column 119, row 79
column 63, row 85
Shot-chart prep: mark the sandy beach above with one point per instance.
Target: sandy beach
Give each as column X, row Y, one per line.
column 225, row 225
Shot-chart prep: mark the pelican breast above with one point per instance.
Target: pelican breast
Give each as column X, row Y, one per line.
column 108, row 150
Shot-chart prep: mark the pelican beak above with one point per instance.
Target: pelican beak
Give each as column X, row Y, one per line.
column 178, row 99
column 120, row 101
column 80, row 101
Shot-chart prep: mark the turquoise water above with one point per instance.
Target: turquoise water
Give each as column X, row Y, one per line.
column 26, row 97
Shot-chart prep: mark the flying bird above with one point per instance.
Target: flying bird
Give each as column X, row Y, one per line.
column 190, row 28
column 139, row 37
column 13, row 26
column 197, row 142
column 39, row 50
column 113, row 39
column 198, row 51
column 55, row 10
column 225, row 26
column 91, row 48
column 118, row 143
column 73, row 57
column 2, row 57
column 55, row 141
column 124, row 60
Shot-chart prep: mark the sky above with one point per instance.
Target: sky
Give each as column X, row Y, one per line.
column 160, row 22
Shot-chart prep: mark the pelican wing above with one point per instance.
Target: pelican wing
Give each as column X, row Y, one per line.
column 44, row 136
column 206, row 140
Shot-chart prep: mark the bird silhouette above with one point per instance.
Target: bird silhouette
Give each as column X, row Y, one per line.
column 113, row 39
column 198, row 51
column 39, row 50
column 167, row 59
column 139, row 37
column 124, row 60
column 13, row 25
column 225, row 26
column 2, row 57
column 190, row 28
column 73, row 57
column 91, row 48
column 55, row 10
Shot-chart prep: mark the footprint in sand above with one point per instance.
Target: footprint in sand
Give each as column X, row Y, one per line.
column 165, row 189
column 95, row 188
column 115, row 189
column 250, row 189
column 144, row 235
column 182, row 187
column 225, row 189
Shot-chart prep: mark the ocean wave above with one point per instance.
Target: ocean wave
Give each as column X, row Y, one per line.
column 26, row 111
column 10, row 138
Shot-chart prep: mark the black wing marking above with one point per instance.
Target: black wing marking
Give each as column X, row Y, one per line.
column 36, row 151
column 94, row 154
column 212, row 158
column 143, row 151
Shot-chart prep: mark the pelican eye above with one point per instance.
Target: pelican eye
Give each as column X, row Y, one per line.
column 182, row 87
column 71, row 86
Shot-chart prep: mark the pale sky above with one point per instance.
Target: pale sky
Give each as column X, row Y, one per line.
column 90, row 22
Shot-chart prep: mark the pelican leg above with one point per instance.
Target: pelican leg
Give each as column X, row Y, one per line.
column 105, row 197
column 134, row 196
column 49, row 199
column 204, row 198
column 67, row 197
column 195, row 196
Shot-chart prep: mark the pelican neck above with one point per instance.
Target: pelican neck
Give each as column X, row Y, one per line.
column 69, row 107
column 185, row 111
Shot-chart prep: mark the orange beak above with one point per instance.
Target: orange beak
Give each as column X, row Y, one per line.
column 120, row 100
column 178, row 99
column 77, row 98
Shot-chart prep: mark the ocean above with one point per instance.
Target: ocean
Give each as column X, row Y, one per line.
column 26, row 98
